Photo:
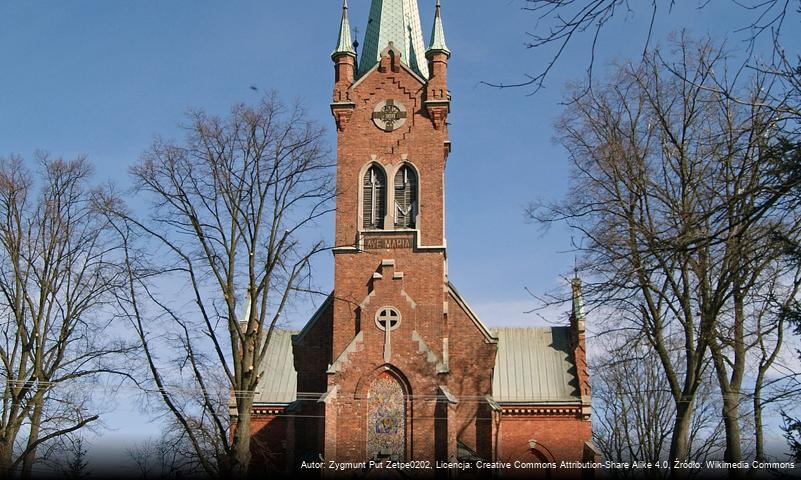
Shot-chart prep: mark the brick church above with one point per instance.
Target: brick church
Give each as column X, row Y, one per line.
column 395, row 365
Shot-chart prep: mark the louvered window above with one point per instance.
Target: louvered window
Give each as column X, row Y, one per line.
column 405, row 198
column 374, row 198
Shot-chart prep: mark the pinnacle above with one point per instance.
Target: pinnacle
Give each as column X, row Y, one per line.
column 437, row 43
column 344, row 43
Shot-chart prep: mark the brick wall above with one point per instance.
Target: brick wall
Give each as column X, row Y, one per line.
column 269, row 445
column 472, row 359
column 557, row 437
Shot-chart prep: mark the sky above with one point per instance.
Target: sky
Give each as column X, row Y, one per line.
column 102, row 78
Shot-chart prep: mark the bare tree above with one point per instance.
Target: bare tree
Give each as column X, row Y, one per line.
column 678, row 210
column 167, row 457
column 560, row 23
column 231, row 211
column 58, row 274
column 770, row 318
column 787, row 155
column 634, row 410
column 76, row 467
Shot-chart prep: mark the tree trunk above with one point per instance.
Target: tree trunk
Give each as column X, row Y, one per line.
column 5, row 459
column 758, row 432
column 680, row 442
column 239, row 461
column 731, row 415
column 30, row 452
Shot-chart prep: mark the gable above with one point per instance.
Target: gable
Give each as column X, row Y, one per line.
column 329, row 301
column 489, row 337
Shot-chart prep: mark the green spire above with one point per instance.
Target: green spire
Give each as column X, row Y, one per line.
column 437, row 43
column 344, row 45
column 396, row 21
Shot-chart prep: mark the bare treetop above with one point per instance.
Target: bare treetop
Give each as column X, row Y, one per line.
column 231, row 211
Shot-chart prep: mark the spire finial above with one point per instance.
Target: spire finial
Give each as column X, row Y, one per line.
column 344, row 43
column 437, row 43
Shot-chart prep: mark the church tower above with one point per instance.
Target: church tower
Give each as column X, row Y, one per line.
column 389, row 383
column 394, row 365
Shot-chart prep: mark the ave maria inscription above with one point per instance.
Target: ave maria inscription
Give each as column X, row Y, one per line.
column 388, row 243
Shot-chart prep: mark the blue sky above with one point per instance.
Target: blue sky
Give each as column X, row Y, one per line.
column 103, row 77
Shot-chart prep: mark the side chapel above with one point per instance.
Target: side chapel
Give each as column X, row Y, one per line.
column 395, row 364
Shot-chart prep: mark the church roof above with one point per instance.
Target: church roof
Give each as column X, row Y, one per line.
column 534, row 365
column 279, row 380
column 396, row 21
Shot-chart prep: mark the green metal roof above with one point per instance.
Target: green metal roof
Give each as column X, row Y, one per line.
column 344, row 43
column 396, row 21
column 534, row 365
column 437, row 43
column 278, row 379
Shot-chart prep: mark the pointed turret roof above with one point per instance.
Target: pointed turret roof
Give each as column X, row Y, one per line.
column 577, row 317
column 396, row 21
column 437, row 43
column 344, row 44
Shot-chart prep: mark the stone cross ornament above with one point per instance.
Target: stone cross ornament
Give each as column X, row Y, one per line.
column 389, row 115
column 388, row 319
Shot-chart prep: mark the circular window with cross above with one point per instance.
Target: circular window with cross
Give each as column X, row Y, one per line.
column 387, row 318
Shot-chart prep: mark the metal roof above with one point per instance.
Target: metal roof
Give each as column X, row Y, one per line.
column 437, row 43
column 396, row 21
column 534, row 365
column 279, row 380
column 344, row 43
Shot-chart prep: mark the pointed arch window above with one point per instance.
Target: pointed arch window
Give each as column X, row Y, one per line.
column 405, row 198
column 386, row 419
column 374, row 198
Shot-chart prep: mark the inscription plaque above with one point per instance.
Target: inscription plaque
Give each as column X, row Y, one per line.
column 388, row 243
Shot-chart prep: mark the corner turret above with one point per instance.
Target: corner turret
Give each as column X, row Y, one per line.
column 578, row 339
column 437, row 96
column 344, row 58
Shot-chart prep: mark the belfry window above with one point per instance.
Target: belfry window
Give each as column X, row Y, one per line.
column 374, row 198
column 405, row 198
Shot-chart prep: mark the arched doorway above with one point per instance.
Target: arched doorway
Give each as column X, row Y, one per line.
column 386, row 418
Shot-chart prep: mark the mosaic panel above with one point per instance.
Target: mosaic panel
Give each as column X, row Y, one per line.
column 386, row 419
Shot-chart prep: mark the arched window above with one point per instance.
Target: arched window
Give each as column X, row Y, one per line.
column 386, row 419
column 405, row 197
column 374, row 205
